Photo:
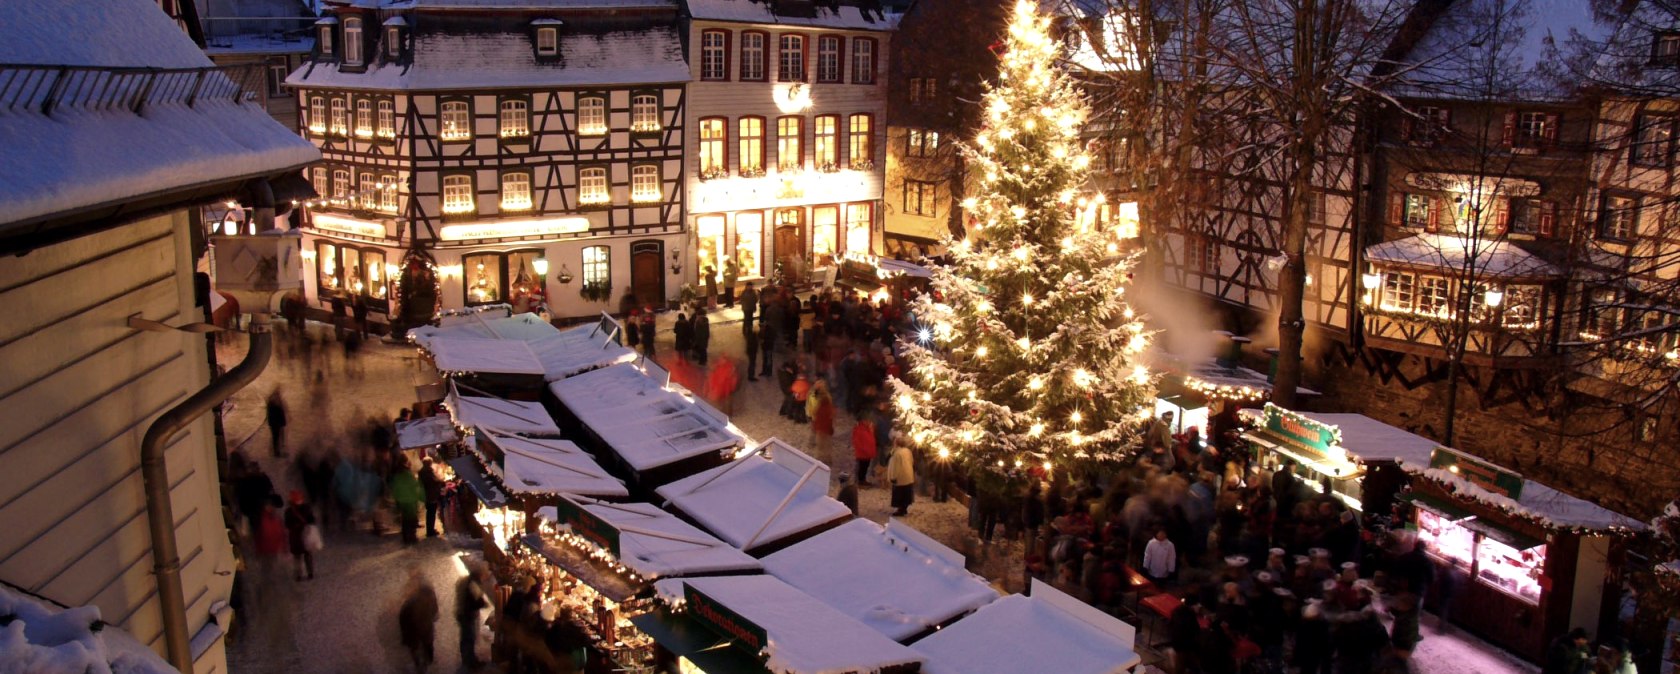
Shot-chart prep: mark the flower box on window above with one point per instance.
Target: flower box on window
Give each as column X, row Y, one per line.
column 863, row 165
column 754, row 172
column 829, row 167
column 715, row 173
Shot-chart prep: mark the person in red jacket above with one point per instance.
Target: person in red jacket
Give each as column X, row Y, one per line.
column 863, row 449
column 820, row 406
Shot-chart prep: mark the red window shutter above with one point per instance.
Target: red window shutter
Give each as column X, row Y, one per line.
column 728, row 55
column 1510, row 133
column 1396, row 208
column 1549, row 134
column 1546, row 217
column 1501, row 217
column 805, row 64
column 1434, row 216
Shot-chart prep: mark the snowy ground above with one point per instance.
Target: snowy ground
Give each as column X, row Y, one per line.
column 344, row 621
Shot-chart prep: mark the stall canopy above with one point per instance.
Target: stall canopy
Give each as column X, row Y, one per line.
column 582, row 348
column 1045, row 632
column 472, row 474
column 1475, row 480
column 648, row 541
column 425, row 432
column 894, row 579
column 544, row 466
column 523, row 327
column 773, row 493
column 484, row 355
column 795, row 632
column 507, row 416
column 1331, row 443
column 643, row 423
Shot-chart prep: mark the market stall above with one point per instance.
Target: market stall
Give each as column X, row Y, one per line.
column 881, row 278
column 504, row 367
column 1352, row 457
column 508, row 416
column 769, row 498
column 1535, row 557
column 541, row 469
column 785, row 630
column 484, row 325
column 426, row 433
column 1046, row 631
column 583, row 348
column 1205, row 391
column 894, row 579
column 652, row 432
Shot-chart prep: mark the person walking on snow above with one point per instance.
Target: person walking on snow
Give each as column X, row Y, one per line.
column 1160, row 558
column 820, row 406
column 731, row 274
column 406, row 492
column 901, row 475
column 749, row 304
column 431, row 489
column 276, row 422
column 417, row 621
column 863, row 449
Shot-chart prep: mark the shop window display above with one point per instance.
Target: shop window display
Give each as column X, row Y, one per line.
column 483, row 278
column 353, row 278
column 525, row 285
column 710, row 251
column 378, row 284
column 1445, row 538
column 859, row 218
column 749, row 244
column 825, row 225
column 1514, row 571
column 327, row 266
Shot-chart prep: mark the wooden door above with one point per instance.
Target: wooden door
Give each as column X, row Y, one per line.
column 790, row 244
column 647, row 273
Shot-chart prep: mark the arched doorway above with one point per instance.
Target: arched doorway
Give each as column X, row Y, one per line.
column 647, row 272
column 417, row 296
column 790, row 244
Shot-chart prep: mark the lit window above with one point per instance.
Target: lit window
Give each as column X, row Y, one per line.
column 1419, row 210
column 1619, row 217
column 516, row 191
column 1399, row 291
column 860, row 137
column 644, row 113
column 828, row 59
column 515, row 118
column 789, row 156
column 327, row 265
column 318, row 114
column 863, row 60
column 752, row 56
column 387, row 120
column 548, row 41
column 790, row 65
column 341, row 186
column 712, row 154
column 644, row 183
column 592, row 116
column 352, row 41
column 597, row 265
column 823, row 142
column 364, row 119
column 752, row 146
column 860, row 219
column 921, row 143
column 918, row 197
column 1533, row 130
column 318, row 180
column 1432, row 292
column 457, row 122
column 368, row 191
column 458, row 194
column 714, row 55
column 388, row 193
column 340, row 125
column 592, row 187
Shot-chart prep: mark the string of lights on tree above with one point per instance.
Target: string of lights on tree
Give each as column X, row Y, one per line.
column 1029, row 356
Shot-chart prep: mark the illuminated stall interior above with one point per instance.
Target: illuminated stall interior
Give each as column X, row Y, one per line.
column 1352, row 457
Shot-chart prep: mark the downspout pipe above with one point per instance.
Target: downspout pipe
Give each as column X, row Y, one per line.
column 154, row 471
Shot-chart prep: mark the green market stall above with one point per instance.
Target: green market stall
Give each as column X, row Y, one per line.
column 1353, row 458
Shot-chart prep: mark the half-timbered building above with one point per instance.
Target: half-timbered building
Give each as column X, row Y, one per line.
column 529, row 154
column 785, row 162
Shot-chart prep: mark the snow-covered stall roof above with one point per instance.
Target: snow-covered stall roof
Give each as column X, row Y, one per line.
column 645, row 424
column 772, row 493
column 651, row 55
column 802, row 634
column 546, row 466
column 1538, row 502
column 81, row 156
column 485, row 325
column 894, row 579
column 44, row 639
column 845, row 16
column 1367, row 438
column 484, row 355
column 1449, row 253
column 1045, row 632
column 656, row 544
column 425, row 432
column 507, row 416
column 580, row 349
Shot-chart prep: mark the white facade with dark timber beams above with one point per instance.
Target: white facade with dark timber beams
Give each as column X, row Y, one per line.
column 788, row 149
column 528, row 154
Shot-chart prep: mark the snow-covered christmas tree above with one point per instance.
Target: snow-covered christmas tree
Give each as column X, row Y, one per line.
column 1028, row 356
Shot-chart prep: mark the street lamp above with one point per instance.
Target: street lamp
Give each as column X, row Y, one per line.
column 1370, row 280
column 1494, row 297
column 540, row 266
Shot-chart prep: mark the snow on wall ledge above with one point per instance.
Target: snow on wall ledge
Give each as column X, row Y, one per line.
column 44, row 639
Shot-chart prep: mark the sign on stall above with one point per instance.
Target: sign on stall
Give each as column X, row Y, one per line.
column 588, row 525
column 747, row 634
column 1477, row 472
column 1305, row 433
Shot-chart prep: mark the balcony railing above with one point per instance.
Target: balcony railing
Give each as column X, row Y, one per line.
column 93, row 88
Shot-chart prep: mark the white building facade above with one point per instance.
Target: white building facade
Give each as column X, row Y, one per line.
column 787, row 148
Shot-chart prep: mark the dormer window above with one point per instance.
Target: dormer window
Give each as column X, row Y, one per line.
column 1665, row 49
column 393, row 42
column 353, row 41
column 547, row 36
column 324, row 35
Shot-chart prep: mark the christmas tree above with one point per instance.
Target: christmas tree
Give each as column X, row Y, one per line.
column 1027, row 355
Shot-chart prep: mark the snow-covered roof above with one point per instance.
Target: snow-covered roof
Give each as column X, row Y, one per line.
column 523, row 327
column 759, row 11
column 1538, row 502
column 259, row 43
column 484, row 355
column 803, row 635
column 1045, row 632
column 1365, row 438
column 1449, row 253
column 425, row 432
column 44, row 639
column 396, row 21
column 643, row 423
column 893, row 579
column 656, row 544
column 1497, row 50
column 772, row 493
column 580, row 349
column 507, row 416
column 83, row 156
column 546, row 467
column 650, row 55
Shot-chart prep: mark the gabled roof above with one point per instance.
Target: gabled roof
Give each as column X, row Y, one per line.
column 846, row 15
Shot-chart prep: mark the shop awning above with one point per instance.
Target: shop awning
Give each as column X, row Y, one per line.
column 1440, row 507
column 467, row 468
column 1515, row 540
column 578, row 563
column 1340, row 471
column 858, row 283
column 425, row 432
column 773, row 494
column 688, row 639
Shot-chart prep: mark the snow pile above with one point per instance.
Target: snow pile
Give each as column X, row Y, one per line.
column 1045, row 632
column 36, row 638
column 773, row 493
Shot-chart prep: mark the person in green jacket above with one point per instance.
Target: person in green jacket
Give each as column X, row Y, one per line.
column 408, row 495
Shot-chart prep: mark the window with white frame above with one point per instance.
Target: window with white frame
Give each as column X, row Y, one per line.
column 1522, row 307
column 751, row 138
column 863, row 60
column 644, row 113
column 1534, row 129
column 714, row 55
column 1209, row 262
column 318, row 180
column 1433, row 296
column 277, row 72
column 752, row 56
column 592, row 187
column 1604, row 314
column 860, row 223
column 1665, row 48
column 352, row 41
column 458, row 194
column 592, row 116
column 364, row 118
column 516, row 191
column 918, row 197
column 1399, row 291
column 515, row 118
column 326, row 40
column 367, row 190
column 828, row 58
column 1537, row 217
column 597, row 265
column 790, row 60
column 386, row 123
column 388, row 193
column 789, row 132
column 644, row 183
column 317, row 114
column 860, row 139
column 548, row 40
column 1652, row 140
column 455, row 121
column 921, row 143
column 341, row 186
column 393, row 42
column 340, row 123
column 824, row 139
column 1419, row 210
column 1619, row 219
column 713, row 156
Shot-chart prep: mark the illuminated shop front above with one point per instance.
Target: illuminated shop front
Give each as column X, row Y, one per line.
column 788, row 237
column 1353, row 458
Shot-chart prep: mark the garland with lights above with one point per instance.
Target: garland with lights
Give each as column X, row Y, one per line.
column 1461, row 488
column 1029, row 357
